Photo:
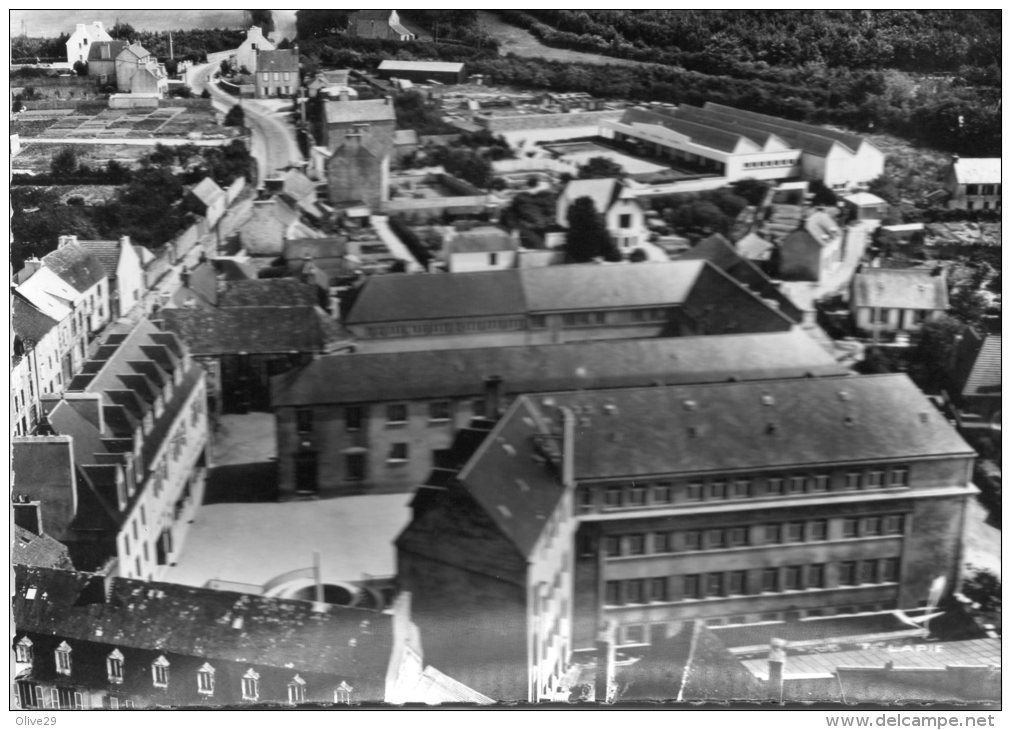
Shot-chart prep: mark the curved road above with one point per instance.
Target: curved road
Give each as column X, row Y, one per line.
column 273, row 140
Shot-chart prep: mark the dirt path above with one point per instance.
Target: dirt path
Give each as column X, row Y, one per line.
column 521, row 42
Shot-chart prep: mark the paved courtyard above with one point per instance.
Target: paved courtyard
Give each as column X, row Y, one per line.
column 252, row 543
column 582, row 152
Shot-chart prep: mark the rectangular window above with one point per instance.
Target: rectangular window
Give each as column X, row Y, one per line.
column 663, row 494
column 868, row 571
column 612, row 546
column 714, row 584
column 635, row 591
column 716, row 539
column 770, row 580
column 815, row 576
column 794, row 532
column 894, row 524
column 636, row 544
column 890, row 570
column 774, row 486
column 624, row 220
column 872, row 526
column 847, row 573
column 303, row 420
column 817, row 530
column 636, row 496
column 399, row 452
column 658, row 589
column 584, row 546
column 492, row 259
column 738, row 536
column 354, row 467
column 875, row 479
column 773, row 534
column 585, row 499
column 853, row 480
column 899, row 476
column 439, row 411
column 818, row 483
column 694, row 493
column 792, row 577
column 850, row 527
column 538, row 321
column 353, row 418
column 396, row 413
column 612, row 593
column 612, row 497
column 738, row 582
column 797, row 485
column 718, row 490
column 691, row 586
column 477, row 407
column 742, row 488
column 693, row 540
column 633, row 634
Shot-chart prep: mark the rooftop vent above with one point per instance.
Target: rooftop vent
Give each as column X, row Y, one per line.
column 504, row 511
column 844, row 395
column 237, row 623
column 770, row 429
column 610, row 408
column 509, row 449
column 690, row 405
column 693, row 431
column 768, row 400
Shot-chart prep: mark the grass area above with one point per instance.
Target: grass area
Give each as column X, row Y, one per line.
column 36, row 158
column 167, row 122
column 517, row 40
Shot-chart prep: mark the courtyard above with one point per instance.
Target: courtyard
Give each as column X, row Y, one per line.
column 579, row 152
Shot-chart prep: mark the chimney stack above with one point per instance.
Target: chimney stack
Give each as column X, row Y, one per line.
column 777, row 662
column 493, row 397
column 604, row 678
column 184, row 277
column 32, row 264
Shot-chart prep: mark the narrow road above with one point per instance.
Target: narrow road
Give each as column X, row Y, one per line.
column 273, row 140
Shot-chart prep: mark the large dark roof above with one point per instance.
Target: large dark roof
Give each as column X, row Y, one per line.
column 754, row 425
column 77, row 266
column 852, row 141
column 985, row 375
column 214, row 625
column 706, row 136
column 107, row 253
column 115, row 48
column 279, row 60
column 254, row 329
column 370, row 377
column 28, row 323
column 572, row 287
column 267, row 293
column 809, row 141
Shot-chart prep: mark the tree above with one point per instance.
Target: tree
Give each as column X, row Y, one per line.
column 264, row 19
column 235, row 117
column 64, row 163
column 885, row 188
column 752, row 190
column 984, row 588
column 122, row 32
column 930, row 362
column 968, row 305
column 598, row 167
column 638, row 256
column 822, row 194
column 80, row 68
column 588, row 238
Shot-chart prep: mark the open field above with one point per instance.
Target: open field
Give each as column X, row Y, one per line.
column 35, row 158
column 173, row 121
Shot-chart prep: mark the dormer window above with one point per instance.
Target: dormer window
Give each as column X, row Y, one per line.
column 342, row 695
column 296, row 691
column 205, row 680
column 159, row 672
column 114, row 666
column 63, row 663
column 23, row 651
column 251, row 685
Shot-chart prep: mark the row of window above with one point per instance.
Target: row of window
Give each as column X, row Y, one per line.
column 769, row 163
column 277, row 75
column 723, row 584
column 446, row 328
column 718, row 538
column 396, row 415
column 977, row 189
column 881, row 315
column 114, row 664
column 663, row 493
column 985, row 205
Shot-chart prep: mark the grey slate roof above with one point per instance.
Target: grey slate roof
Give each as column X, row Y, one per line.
column 518, row 291
column 267, row 293
column 254, row 330
column 278, row 60
column 900, row 289
column 115, row 48
column 700, row 134
column 727, row 425
column 985, row 375
column 76, row 265
column 457, row 373
column 214, row 625
column 728, row 120
column 27, row 321
column 107, row 253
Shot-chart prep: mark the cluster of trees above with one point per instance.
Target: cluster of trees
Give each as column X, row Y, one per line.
column 188, row 45
column 445, row 26
column 27, row 50
column 468, row 158
column 703, row 213
column 587, row 237
column 415, row 112
column 146, row 207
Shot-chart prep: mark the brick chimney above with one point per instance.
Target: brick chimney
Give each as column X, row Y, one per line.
column 32, row 264
column 777, row 662
column 65, row 240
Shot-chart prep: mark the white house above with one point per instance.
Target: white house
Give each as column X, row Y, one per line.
column 249, row 49
column 623, row 215
column 974, row 183
column 123, row 267
column 897, row 300
column 80, row 41
column 483, row 248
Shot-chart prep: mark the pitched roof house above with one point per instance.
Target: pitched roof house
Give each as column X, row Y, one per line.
column 80, row 41
column 893, row 300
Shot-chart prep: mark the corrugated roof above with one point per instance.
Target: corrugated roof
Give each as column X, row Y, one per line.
column 728, row 120
column 756, row 425
column 848, row 139
column 459, row 373
column 975, row 170
column 985, row 375
column 700, row 134
column 367, row 110
column 900, row 289
column 76, row 265
column 423, row 66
